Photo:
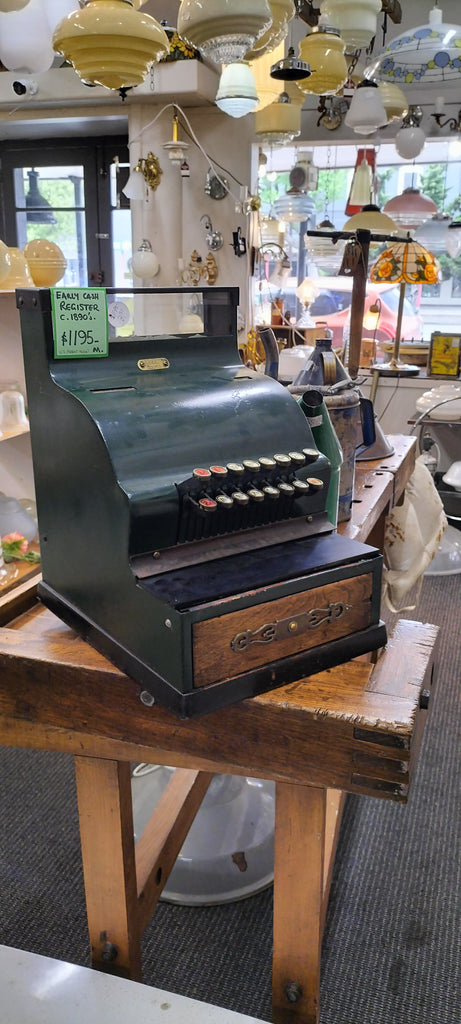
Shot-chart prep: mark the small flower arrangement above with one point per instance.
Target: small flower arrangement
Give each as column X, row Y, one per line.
column 16, row 547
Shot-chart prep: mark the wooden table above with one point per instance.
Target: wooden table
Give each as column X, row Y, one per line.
column 354, row 728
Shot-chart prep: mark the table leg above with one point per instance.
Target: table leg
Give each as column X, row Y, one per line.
column 108, row 853
column 300, row 821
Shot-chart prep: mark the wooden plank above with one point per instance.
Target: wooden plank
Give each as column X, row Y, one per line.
column 164, row 834
column 107, row 840
column 300, row 815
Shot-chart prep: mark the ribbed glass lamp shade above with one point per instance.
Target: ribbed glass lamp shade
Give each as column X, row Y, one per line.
column 282, row 13
column 294, row 206
column 453, row 239
column 223, row 30
column 409, row 141
column 432, row 234
column 5, row 262
column 325, row 252
column 110, row 43
column 267, row 88
column 372, row 219
column 278, row 123
column 236, row 93
column 405, row 261
column 394, row 100
column 46, row 262
column 410, row 209
column 323, row 49
column 355, row 20
column 428, row 53
column 366, row 112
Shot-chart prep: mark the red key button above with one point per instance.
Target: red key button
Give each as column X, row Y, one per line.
column 218, row 470
column 201, row 474
column 207, row 504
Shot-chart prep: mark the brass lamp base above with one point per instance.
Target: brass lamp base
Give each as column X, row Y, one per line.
column 395, row 369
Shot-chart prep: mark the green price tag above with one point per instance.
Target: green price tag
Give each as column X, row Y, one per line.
column 80, row 326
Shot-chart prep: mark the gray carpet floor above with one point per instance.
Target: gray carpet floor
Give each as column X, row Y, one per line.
column 391, row 952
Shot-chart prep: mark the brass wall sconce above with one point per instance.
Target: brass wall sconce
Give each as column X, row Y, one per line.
column 150, row 169
column 197, row 269
column 450, row 122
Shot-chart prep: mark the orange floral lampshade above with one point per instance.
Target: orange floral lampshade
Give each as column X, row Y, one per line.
column 406, row 262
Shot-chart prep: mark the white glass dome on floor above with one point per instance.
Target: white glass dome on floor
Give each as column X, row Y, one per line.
column 228, row 853
column 447, row 560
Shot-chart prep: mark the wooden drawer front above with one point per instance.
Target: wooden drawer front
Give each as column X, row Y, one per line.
column 230, row 645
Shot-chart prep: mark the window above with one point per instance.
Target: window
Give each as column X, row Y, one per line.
column 71, row 194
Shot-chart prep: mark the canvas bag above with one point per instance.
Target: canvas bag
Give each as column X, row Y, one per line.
column 413, row 532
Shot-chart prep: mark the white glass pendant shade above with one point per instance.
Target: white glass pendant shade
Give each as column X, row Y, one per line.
column 278, row 123
column 432, row 233
column 410, row 208
column 294, row 206
column 409, row 141
column 110, row 43
column 326, row 253
column 223, row 30
column 394, row 100
column 25, row 40
column 144, row 262
column 372, row 219
column 428, row 54
column 19, row 275
column 453, row 239
column 323, row 49
column 5, row 261
column 282, row 13
column 267, row 88
column 355, row 20
column 46, row 262
column 366, row 112
column 236, row 93
column 135, row 188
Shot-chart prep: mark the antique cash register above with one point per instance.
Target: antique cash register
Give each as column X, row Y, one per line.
column 182, row 503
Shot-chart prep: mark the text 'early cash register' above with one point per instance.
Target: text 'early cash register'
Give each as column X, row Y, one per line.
column 182, row 506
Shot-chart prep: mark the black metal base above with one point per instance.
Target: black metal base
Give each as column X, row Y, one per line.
column 211, row 698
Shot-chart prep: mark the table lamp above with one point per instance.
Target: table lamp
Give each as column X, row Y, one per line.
column 403, row 263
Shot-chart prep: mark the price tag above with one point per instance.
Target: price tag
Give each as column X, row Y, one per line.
column 80, row 326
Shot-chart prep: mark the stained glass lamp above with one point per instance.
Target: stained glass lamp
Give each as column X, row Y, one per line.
column 403, row 263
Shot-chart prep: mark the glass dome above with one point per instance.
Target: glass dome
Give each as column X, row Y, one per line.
column 429, row 53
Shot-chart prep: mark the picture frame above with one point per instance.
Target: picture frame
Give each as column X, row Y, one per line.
column 444, row 355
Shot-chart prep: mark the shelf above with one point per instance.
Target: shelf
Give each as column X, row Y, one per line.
column 6, row 435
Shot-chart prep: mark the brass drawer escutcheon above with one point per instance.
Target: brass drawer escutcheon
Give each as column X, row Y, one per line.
column 291, row 626
column 153, row 364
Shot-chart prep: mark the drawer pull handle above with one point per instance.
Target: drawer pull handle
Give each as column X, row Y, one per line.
column 291, row 626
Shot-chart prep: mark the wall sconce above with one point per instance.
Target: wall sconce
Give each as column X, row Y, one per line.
column 197, row 269
column 176, row 150
column 453, row 123
column 148, row 168
column 144, row 262
column 214, row 239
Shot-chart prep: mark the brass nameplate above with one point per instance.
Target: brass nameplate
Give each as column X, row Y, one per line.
column 291, row 626
column 153, row 364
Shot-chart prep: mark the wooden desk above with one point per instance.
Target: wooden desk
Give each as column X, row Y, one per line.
column 353, row 728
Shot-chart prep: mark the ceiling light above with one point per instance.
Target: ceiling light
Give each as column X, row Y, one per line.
column 433, row 232
column 323, row 49
column 223, row 30
column 144, row 262
column 371, row 219
column 294, row 206
column 410, row 208
column 326, row 249
column 236, row 93
column 39, row 210
column 453, row 239
column 410, row 138
column 279, row 122
column 110, row 43
column 366, row 112
column 428, row 53
column 282, row 12
column 356, row 21
column 290, row 68
column 394, row 100
column 267, row 88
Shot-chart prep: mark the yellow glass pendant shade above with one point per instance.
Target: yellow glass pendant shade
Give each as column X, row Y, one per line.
column 267, row 88
column 394, row 100
column 282, row 13
column 46, row 262
column 278, row 123
column 19, row 275
column 5, row 262
column 109, row 43
column 323, row 49
column 223, row 30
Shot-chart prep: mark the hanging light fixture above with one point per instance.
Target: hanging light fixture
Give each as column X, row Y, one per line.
column 323, row 50
column 372, row 219
column 290, row 68
column 175, row 149
column 366, row 112
column 410, row 138
column 361, row 189
column 25, row 39
column 410, row 209
column 453, row 239
column 427, row 54
column 394, row 100
column 223, row 30
column 432, row 233
column 356, row 21
column 39, row 210
column 279, row 122
column 267, row 88
column 282, row 13
column 236, row 93
column 295, row 206
column 403, row 263
column 110, row 43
